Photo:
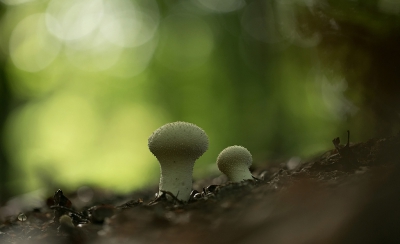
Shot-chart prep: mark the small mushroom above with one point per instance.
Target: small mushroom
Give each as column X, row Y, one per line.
column 177, row 146
column 234, row 162
column 66, row 223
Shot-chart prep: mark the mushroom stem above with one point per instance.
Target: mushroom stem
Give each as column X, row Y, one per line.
column 240, row 174
column 176, row 177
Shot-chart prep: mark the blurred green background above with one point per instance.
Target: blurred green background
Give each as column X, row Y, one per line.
column 85, row 82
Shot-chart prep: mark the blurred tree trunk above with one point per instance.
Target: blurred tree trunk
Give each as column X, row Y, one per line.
column 5, row 98
column 361, row 41
column 4, row 112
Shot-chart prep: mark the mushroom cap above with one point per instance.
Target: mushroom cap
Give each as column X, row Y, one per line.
column 234, row 158
column 180, row 139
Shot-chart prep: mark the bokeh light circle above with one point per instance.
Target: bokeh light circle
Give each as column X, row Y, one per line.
column 32, row 48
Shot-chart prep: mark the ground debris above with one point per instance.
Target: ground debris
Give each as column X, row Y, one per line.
column 131, row 204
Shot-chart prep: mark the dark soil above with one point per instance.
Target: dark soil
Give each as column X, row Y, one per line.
column 348, row 195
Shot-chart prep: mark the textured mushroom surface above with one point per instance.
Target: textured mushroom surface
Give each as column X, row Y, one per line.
column 176, row 146
column 234, row 162
column 178, row 138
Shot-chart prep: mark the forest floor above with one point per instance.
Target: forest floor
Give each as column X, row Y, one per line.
column 350, row 194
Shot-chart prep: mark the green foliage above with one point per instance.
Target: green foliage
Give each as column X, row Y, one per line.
column 97, row 77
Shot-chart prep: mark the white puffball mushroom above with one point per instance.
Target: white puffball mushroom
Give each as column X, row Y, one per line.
column 234, row 162
column 177, row 146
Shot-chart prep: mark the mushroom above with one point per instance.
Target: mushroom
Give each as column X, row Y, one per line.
column 177, row 146
column 66, row 224
column 234, row 162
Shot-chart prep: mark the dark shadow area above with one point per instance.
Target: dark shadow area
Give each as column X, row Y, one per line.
column 5, row 107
